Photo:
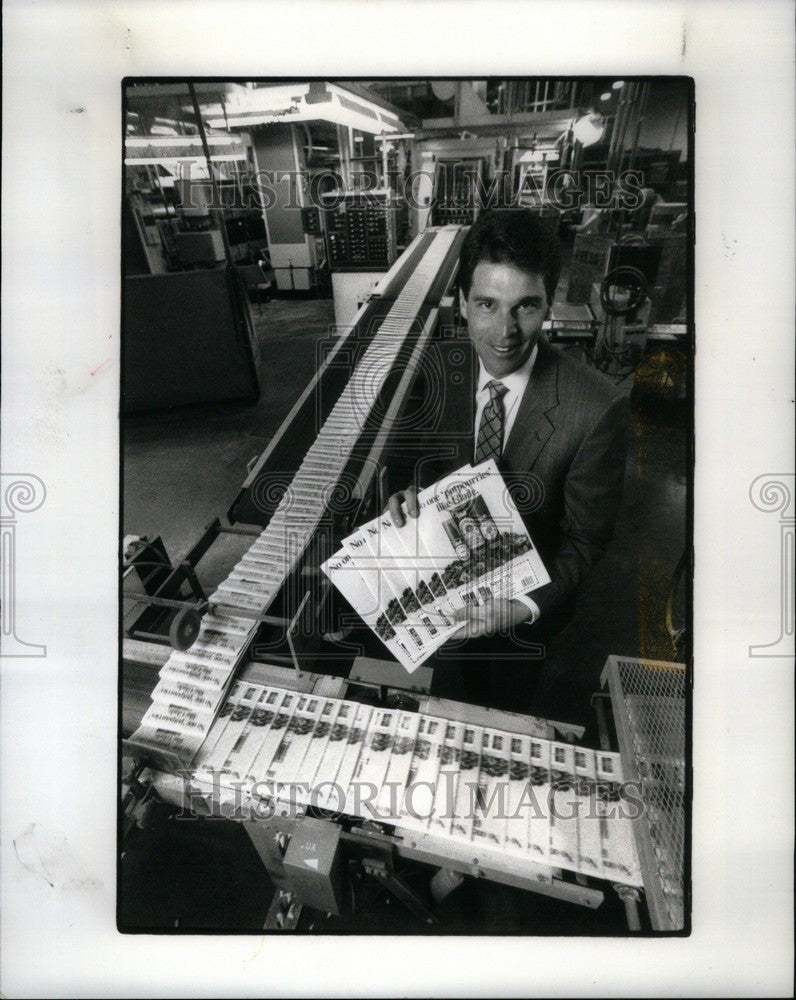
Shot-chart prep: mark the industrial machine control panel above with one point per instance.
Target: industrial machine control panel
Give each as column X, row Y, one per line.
column 361, row 232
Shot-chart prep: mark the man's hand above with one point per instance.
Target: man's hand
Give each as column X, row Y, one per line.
column 492, row 617
column 407, row 496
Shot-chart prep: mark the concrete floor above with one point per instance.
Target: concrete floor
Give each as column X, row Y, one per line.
column 184, row 467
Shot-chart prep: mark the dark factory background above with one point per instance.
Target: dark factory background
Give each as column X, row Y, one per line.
column 258, row 218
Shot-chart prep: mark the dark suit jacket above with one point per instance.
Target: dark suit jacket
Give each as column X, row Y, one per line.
column 564, row 460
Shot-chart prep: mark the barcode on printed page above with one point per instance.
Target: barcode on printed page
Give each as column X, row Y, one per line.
column 528, row 581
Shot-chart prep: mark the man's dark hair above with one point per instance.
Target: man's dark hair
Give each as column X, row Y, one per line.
column 512, row 236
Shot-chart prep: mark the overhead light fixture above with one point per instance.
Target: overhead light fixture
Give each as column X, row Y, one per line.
column 307, row 102
column 168, row 149
column 589, row 129
column 333, row 113
column 606, row 96
column 266, row 98
column 181, row 140
column 618, row 85
column 168, row 161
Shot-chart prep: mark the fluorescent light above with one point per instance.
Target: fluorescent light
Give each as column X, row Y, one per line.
column 331, row 112
column 345, row 96
column 269, row 105
column 606, row 96
column 266, row 98
column 618, row 85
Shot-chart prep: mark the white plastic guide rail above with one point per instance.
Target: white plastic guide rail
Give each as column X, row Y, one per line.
column 258, row 576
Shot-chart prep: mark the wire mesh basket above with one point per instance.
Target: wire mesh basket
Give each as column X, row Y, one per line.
column 648, row 700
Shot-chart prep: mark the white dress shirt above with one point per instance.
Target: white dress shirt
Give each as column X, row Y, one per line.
column 516, row 383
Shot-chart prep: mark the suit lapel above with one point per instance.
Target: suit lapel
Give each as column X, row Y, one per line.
column 534, row 423
column 455, row 433
column 464, row 416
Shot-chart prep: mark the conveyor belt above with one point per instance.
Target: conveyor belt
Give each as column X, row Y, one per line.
column 542, row 801
column 255, row 581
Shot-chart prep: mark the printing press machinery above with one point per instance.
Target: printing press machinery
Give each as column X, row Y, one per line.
column 282, row 630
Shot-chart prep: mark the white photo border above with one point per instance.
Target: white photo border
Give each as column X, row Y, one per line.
column 63, row 66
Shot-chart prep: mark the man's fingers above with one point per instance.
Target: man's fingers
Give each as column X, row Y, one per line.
column 491, row 617
column 408, row 496
column 469, row 630
column 481, row 621
column 394, row 508
column 475, row 628
column 475, row 622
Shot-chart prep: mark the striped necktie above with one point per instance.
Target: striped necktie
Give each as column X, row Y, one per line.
column 490, row 431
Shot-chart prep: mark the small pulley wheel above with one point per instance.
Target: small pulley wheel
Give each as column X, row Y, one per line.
column 185, row 628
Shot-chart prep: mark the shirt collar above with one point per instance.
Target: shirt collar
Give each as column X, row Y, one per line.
column 516, row 382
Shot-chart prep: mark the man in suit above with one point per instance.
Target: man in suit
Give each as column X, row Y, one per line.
column 559, row 432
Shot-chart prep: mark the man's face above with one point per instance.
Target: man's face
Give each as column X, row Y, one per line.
column 505, row 312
